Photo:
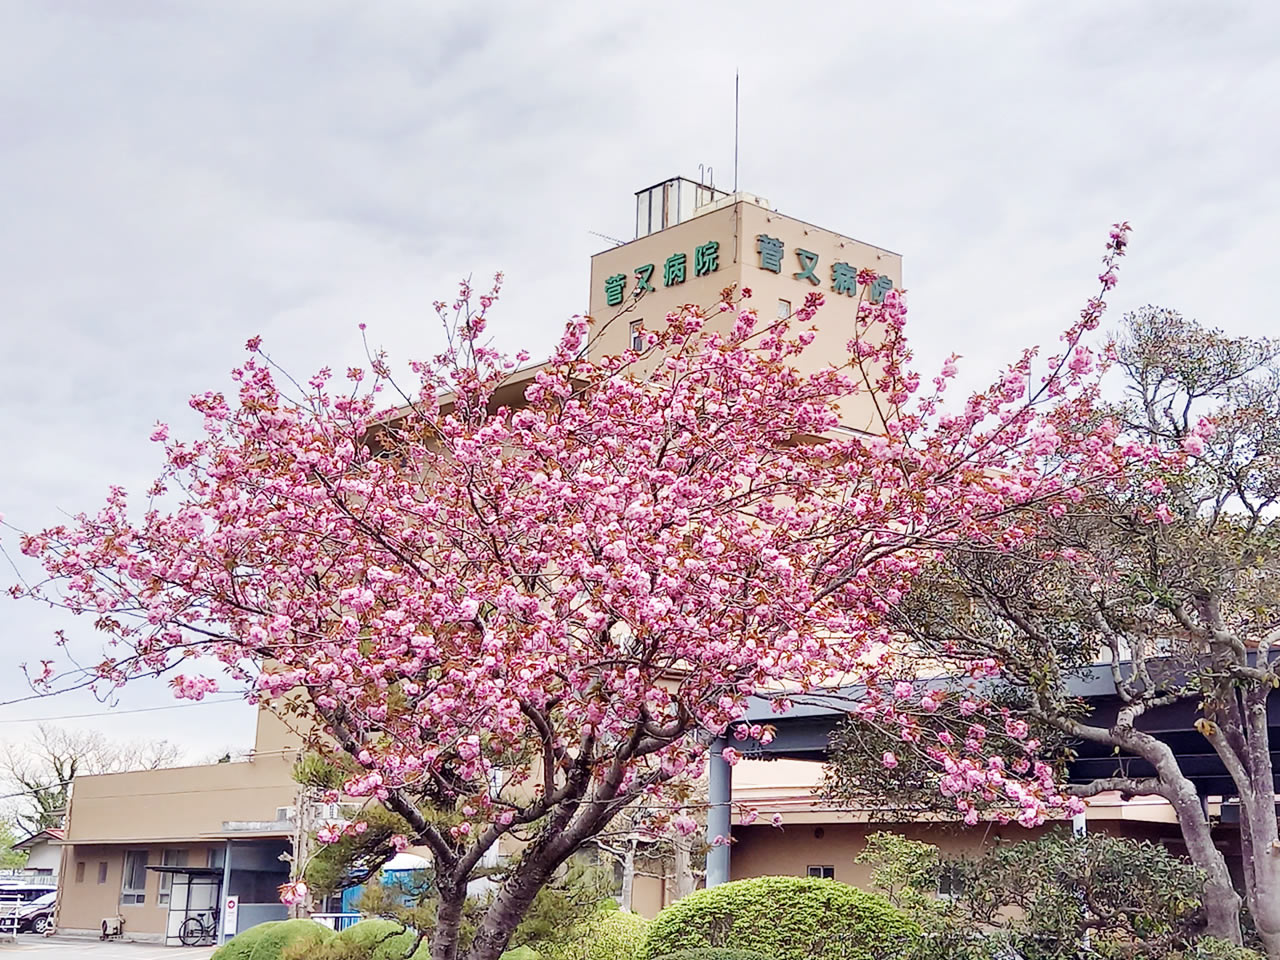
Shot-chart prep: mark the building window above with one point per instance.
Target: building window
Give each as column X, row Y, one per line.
column 133, row 891
column 102, row 871
column 79, row 871
column 950, row 882
column 823, row 871
column 784, row 309
column 170, row 858
column 637, row 337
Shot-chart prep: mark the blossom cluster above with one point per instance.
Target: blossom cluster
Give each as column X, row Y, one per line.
column 475, row 594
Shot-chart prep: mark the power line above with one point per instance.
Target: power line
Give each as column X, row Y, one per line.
column 119, row 713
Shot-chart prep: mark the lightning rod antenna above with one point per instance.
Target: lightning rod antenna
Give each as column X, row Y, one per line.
column 735, row 131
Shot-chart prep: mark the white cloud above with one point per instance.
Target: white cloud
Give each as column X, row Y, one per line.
column 179, row 177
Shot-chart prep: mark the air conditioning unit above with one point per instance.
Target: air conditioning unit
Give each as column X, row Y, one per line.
column 335, row 812
column 286, row 813
column 112, row 927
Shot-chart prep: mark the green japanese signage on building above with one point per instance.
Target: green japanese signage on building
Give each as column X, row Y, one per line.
column 706, row 260
column 844, row 278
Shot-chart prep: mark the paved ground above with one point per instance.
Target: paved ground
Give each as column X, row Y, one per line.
column 75, row 948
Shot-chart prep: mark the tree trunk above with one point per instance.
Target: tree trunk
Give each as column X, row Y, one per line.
column 684, row 865
column 1221, row 902
column 512, row 902
column 628, row 873
column 446, row 936
column 1260, row 850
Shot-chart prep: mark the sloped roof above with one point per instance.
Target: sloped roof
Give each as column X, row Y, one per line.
column 55, row 834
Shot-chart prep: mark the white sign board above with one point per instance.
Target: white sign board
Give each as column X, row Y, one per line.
column 230, row 915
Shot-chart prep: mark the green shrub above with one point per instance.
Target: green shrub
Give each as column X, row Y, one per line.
column 240, row 947
column 522, row 953
column 786, row 918
column 271, row 943
column 617, row 936
column 379, row 940
column 714, row 953
column 1211, row 948
column 608, row 934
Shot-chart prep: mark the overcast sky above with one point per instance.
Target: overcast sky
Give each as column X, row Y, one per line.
column 176, row 177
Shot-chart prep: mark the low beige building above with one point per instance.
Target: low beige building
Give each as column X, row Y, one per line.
column 153, row 846
column 820, row 838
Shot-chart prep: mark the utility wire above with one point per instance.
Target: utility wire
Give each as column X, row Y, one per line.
column 117, row 713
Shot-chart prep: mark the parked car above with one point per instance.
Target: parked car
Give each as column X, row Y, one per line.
column 34, row 917
column 26, row 892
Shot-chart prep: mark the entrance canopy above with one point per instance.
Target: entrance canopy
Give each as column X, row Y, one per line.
column 804, row 733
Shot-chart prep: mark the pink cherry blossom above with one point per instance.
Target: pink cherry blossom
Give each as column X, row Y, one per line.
column 684, row 824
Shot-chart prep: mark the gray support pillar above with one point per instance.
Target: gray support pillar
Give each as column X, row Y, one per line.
column 720, row 795
column 226, row 892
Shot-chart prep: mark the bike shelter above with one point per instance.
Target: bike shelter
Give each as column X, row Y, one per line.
column 196, row 892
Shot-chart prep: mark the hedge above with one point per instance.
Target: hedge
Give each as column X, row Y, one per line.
column 714, row 953
column 270, row 944
column 785, row 918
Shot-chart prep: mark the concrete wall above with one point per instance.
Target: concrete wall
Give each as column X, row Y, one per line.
column 181, row 803
column 278, row 731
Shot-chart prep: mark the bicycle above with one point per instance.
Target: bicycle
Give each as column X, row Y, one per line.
column 194, row 931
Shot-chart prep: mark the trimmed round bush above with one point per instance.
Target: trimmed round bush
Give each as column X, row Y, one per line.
column 387, row 939
column 240, row 947
column 714, row 953
column 605, row 935
column 270, row 945
column 785, row 918
column 618, row 936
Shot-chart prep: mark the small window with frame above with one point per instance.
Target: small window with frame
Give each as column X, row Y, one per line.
column 951, row 882
column 822, row 871
column 638, row 342
column 102, row 871
column 133, row 886
column 80, row 865
column 170, row 858
column 784, row 309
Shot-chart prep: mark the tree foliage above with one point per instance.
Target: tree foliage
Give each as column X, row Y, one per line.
column 570, row 911
column 1044, row 899
column 1169, row 587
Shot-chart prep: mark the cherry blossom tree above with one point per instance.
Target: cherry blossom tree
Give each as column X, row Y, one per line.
column 1168, row 587
column 520, row 601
